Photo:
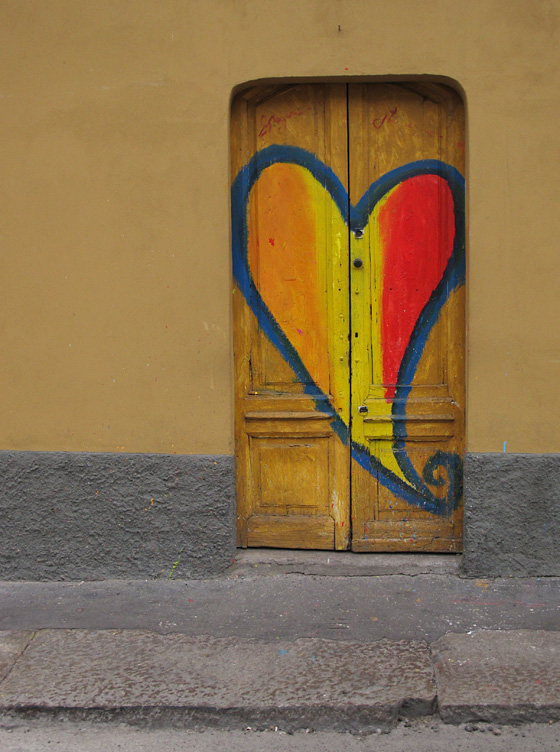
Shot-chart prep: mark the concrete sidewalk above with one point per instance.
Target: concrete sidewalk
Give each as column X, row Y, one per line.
column 287, row 642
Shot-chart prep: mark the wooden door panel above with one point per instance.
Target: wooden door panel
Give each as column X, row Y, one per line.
column 392, row 524
column 290, row 307
column 279, row 467
column 407, row 320
column 283, row 531
column 407, row 535
column 291, row 480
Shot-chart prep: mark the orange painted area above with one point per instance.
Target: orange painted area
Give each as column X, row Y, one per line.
column 283, row 220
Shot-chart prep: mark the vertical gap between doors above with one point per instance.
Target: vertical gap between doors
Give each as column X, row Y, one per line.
column 349, row 314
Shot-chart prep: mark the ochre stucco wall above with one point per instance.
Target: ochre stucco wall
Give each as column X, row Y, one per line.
column 115, row 320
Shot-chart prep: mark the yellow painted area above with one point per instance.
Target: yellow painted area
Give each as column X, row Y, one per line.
column 376, row 282
column 337, row 281
column 367, row 352
column 115, row 318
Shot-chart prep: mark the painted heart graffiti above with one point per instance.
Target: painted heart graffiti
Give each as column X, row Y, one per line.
column 292, row 317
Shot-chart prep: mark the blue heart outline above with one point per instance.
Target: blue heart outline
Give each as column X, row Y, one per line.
column 356, row 218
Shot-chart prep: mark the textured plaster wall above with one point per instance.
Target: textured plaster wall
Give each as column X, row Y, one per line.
column 78, row 516
column 512, row 515
column 115, row 316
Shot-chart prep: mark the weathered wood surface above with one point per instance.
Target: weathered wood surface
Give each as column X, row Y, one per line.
column 334, row 446
column 292, row 470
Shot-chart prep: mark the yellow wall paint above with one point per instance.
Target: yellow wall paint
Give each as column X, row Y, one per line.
column 115, row 324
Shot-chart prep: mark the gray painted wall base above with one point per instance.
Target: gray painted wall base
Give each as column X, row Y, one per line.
column 90, row 516
column 512, row 515
column 74, row 515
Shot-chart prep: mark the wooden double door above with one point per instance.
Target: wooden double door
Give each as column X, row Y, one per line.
column 348, row 235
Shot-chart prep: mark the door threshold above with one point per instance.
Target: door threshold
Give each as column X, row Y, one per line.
column 275, row 561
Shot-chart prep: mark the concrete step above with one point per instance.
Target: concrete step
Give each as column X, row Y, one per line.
column 270, row 561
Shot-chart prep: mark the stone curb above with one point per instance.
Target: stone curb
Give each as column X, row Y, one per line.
column 177, row 681
column 500, row 677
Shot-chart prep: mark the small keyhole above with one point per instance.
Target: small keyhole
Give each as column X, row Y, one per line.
column 358, row 234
